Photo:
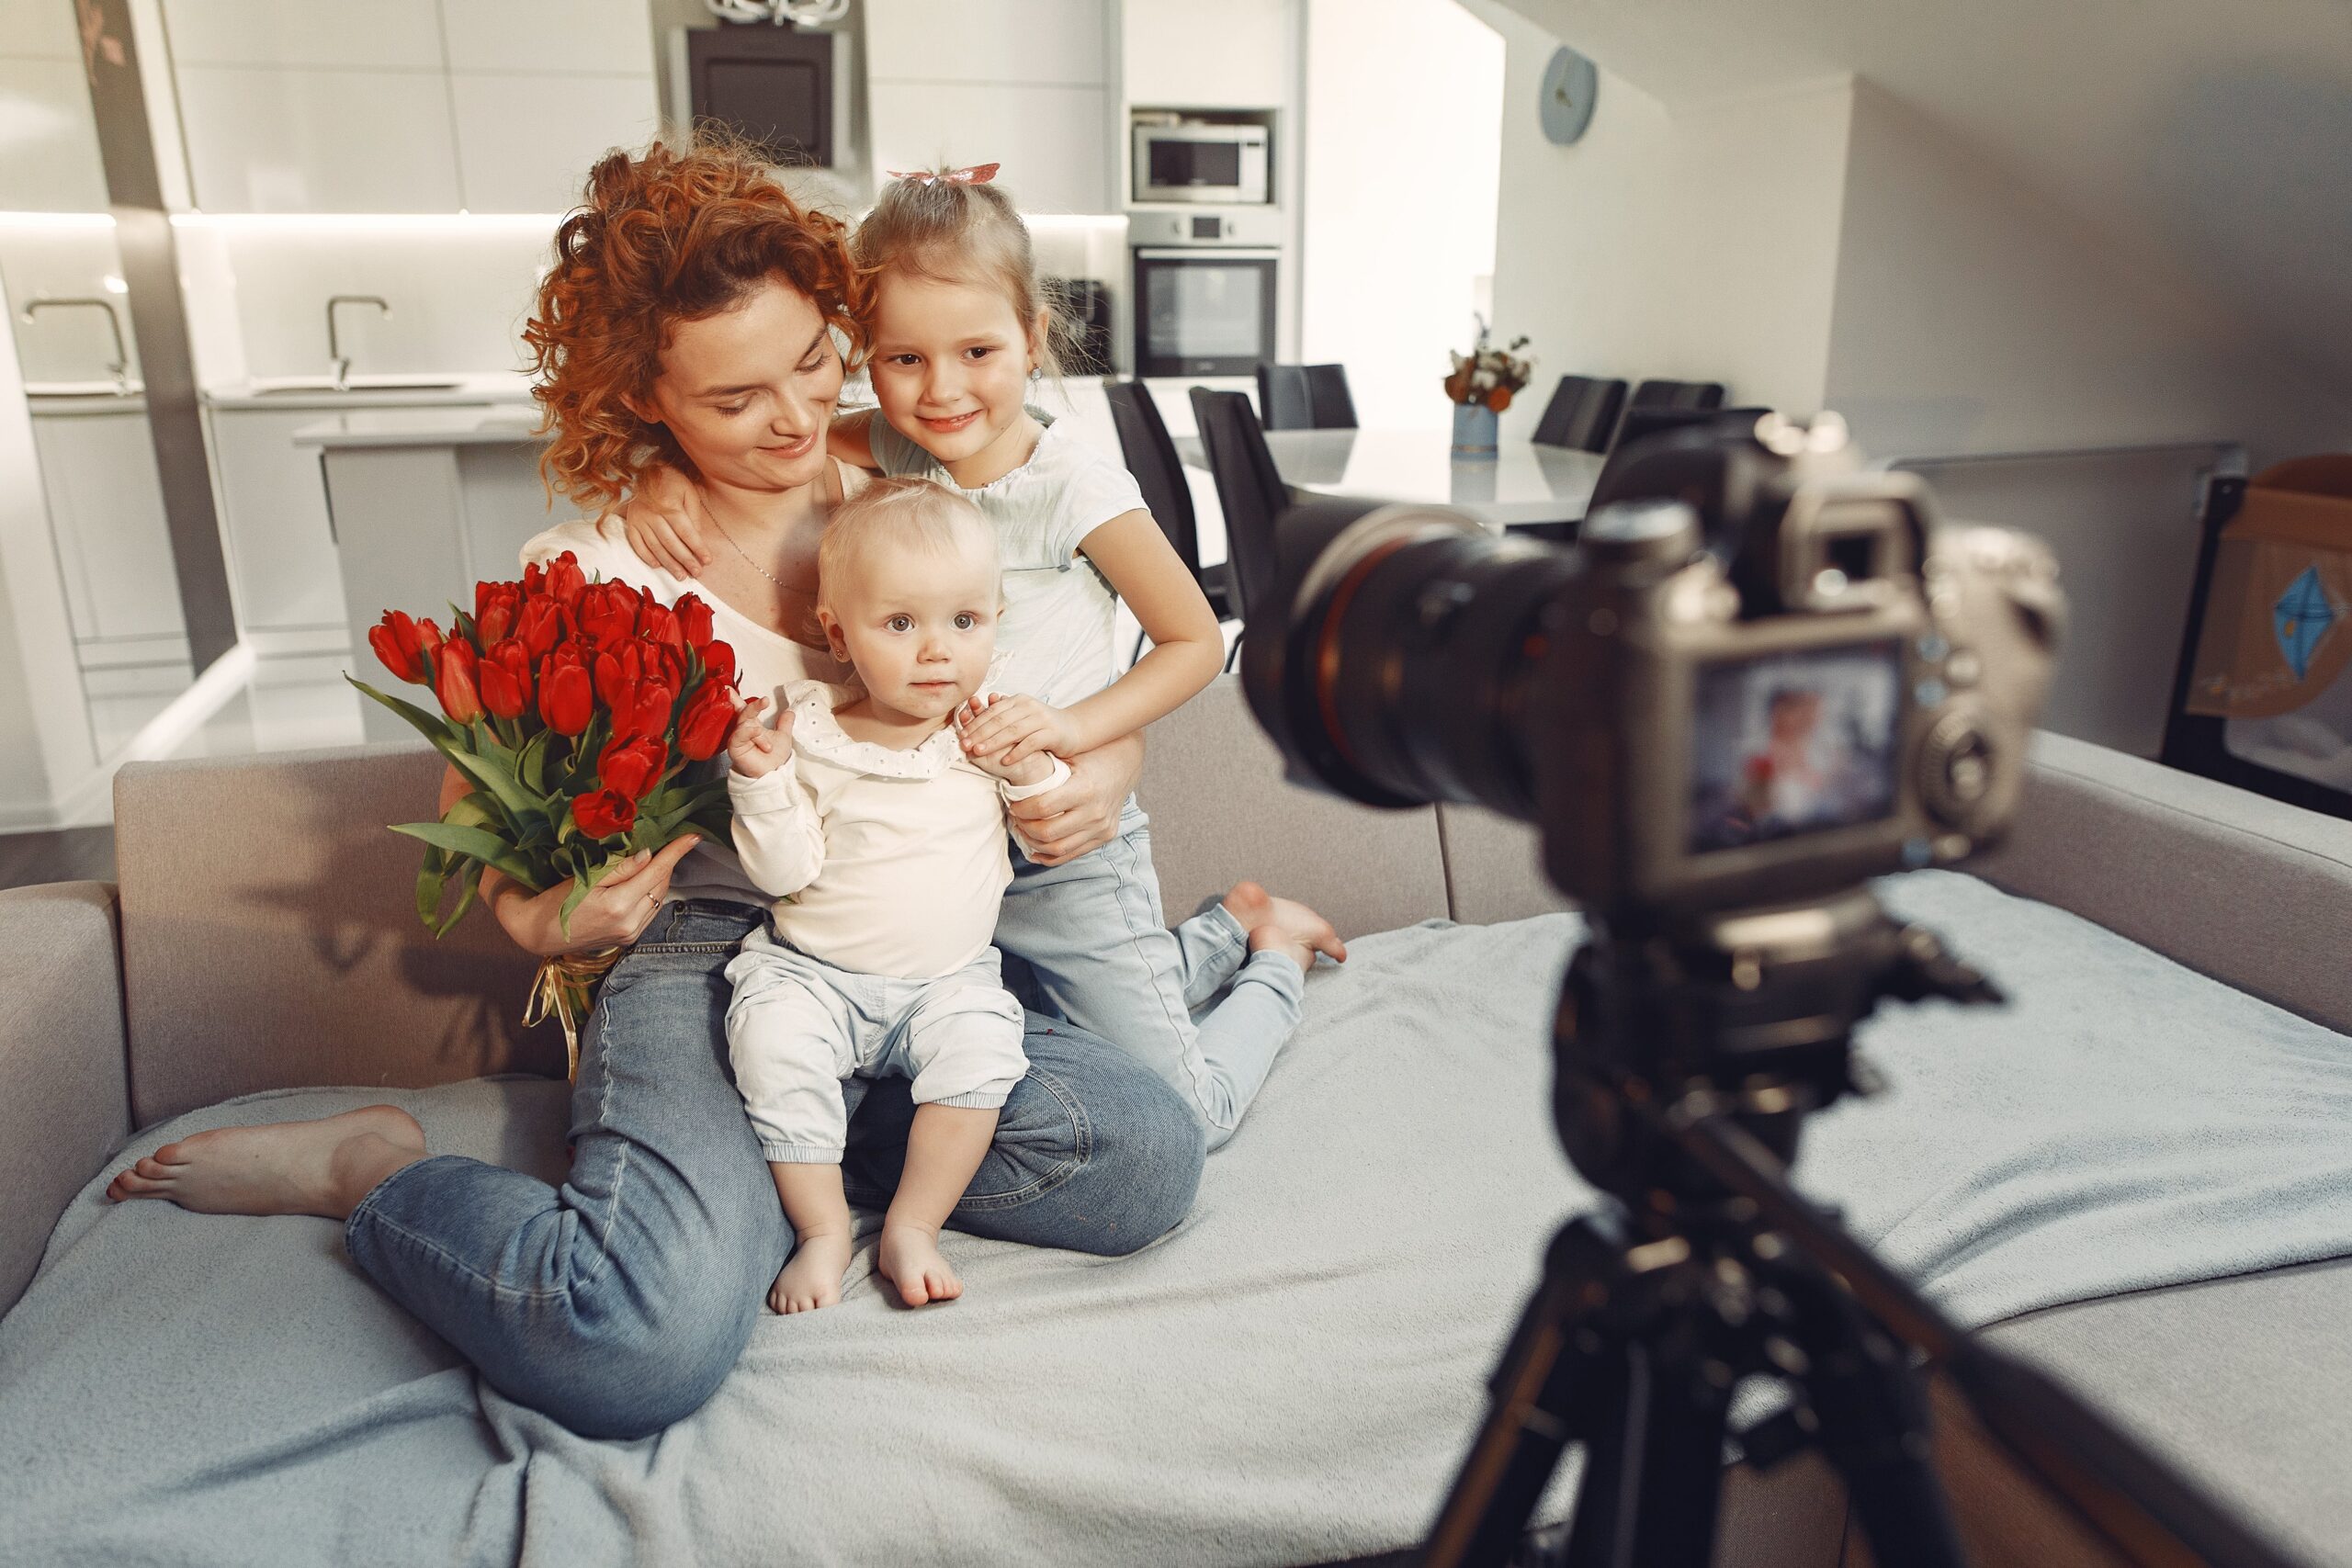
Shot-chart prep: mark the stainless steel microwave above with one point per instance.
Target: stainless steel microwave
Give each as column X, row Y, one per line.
column 1195, row 161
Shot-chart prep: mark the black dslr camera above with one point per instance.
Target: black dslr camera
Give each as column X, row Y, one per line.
column 1763, row 676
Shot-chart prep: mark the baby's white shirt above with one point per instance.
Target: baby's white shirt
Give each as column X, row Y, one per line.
column 884, row 862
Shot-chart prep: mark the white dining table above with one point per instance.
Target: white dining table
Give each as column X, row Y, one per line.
column 1523, row 483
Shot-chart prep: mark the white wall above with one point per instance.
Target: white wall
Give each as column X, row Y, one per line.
column 1401, row 166
column 1701, row 244
column 1974, row 315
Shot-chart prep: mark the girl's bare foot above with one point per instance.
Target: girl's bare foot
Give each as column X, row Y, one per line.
column 813, row 1277
column 321, row 1168
column 1283, row 925
column 910, row 1258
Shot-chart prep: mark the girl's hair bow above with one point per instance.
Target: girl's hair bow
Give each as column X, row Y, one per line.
column 978, row 175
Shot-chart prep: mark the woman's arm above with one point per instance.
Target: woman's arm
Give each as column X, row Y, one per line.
column 1082, row 815
column 847, row 438
column 615, row 911
column 1187, row 651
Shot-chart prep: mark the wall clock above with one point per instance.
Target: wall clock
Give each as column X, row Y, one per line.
column 1570, row 84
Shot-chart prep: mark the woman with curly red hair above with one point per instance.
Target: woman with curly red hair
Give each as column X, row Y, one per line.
column 698, row 317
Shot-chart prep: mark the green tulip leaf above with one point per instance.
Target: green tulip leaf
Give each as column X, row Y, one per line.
column 430, row 879
column 433, row 727
column 473, row 842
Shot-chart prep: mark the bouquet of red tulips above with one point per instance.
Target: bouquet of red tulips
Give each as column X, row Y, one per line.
column 582, row 712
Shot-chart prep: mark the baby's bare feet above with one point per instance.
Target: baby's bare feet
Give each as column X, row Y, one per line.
column 910, row 1258
column 1283, row 925
column 321, row 1168
column 813, row 1277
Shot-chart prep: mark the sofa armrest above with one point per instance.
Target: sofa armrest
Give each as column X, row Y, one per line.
column 64, row 1096
column 2239, row 886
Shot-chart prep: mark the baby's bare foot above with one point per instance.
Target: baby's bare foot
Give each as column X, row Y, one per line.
column 321, row 1168
column 813, row 1277
column 910, row 1258
column 1284, row 925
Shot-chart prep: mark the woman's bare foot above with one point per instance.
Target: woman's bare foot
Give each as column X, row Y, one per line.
column 1283, row 925
column 321, row 1168
column 910, row 1258
column 813, row 1277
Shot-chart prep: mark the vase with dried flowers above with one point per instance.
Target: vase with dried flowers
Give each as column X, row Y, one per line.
column 1481, row 387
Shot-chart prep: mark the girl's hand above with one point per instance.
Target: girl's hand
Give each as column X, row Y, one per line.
column 666, row 523
column 1082, row 815
column 615, row 911
column 752, row 748
column 1004, row 732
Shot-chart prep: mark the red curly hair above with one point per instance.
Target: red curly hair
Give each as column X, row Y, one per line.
column 664, row 236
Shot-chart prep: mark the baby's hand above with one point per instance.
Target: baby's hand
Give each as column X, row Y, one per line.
column 664, row 521
column 752, row 748
column 1001, row 733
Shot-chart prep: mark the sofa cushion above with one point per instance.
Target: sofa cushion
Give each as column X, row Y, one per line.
column 1288, row 1377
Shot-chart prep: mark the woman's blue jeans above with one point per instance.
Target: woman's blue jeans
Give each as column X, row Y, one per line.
column 617, row 1302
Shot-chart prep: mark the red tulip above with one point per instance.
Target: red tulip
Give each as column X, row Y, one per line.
column 693, row 619
column 709, row 714
column 566, row 581
column 603, row 813
column 540, row 625
column 567, row 697
column 505, row 677
column 645, row 711
column 455, row 671
column 397, row 643
column 607, row 614
column 619, row 669
column 718, row 661
column 495, row 606
column 632, row 767
column 428, row 636
column 535, row 581
column 659, row 624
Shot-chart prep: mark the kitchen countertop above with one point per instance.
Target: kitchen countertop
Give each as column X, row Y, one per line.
column 373, row 392
column 82, row 400
column 447, row 425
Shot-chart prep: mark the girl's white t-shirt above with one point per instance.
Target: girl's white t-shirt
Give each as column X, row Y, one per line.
column 765, row 662
column 1058, row 634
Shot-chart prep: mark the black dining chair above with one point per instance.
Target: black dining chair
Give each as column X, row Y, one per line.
column 1305, row 397
column 1677, row 395
column 1159, row 474
column 1250, row 491
column 1582, row 414
column 1642, row 422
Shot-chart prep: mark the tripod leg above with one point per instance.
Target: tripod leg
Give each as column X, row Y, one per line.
column 1650, row 1499
column 1543, row 1394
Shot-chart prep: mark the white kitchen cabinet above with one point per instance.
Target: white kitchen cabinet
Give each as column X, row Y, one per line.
column 1049, row 140
column 48, row 142
column 525, row 142
column 271, row 140
column 377, row 35
column 586, row 37
column 1002, row 41
column 1210, row 54
column 281, row 544
column 114, row 546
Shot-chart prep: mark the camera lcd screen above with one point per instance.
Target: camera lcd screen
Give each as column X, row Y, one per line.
column 1793, row 743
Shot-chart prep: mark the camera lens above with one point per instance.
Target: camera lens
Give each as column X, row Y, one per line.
column 1405, row 670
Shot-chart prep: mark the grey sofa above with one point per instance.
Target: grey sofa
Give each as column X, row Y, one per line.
column 261, row 938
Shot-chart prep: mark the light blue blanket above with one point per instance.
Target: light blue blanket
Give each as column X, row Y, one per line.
column 1288, row 1377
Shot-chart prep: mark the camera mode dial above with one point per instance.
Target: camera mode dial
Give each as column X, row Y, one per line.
column 1956, row 769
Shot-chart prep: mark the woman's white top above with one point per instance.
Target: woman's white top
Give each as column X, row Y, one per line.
column 1058, row 631
column 767, row 662
column 885, row 861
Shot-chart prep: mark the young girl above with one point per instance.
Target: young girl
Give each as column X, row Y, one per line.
column 886, row 849
column 960, row 330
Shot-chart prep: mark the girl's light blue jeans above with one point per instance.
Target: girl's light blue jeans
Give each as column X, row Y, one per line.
column 619, row 1302
column 1193, row 1005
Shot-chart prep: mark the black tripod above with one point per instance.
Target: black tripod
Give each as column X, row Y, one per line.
column 1686, row 1060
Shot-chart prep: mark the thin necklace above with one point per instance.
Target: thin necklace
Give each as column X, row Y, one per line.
column 747, row 557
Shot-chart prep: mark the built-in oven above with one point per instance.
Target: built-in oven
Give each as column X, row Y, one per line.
column 1205, row 312
column 1190, row 160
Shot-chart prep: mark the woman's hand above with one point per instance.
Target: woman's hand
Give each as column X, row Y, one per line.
column 666, row 523
column 1007, row 731
column 615, row 911
column 1082, row 815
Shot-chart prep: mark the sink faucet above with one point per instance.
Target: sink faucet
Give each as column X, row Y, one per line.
column 119, row 367
column 336, row 356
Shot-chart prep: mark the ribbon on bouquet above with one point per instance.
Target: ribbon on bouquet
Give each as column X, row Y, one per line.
column 561, row 990
column 978, row 175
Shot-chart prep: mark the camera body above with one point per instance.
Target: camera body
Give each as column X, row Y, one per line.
column 1761, row 676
